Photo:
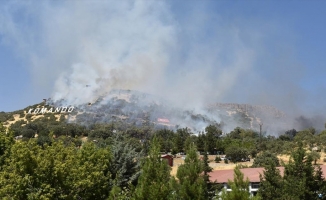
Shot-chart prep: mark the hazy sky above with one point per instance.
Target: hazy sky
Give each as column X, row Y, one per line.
column 193, row 52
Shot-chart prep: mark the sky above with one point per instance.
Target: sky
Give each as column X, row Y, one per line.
column 190, row 52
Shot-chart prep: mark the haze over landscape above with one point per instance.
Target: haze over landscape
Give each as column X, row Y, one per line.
column 192, row 54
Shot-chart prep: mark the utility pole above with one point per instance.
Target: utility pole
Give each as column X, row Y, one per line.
column 260, row 126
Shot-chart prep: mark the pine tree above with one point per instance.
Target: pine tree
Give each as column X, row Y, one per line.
column 270, row 183
column 178, row 143
column 192, row 184
column 320, row 184
column 211, row 136
column 301, row 180
column 295, row 176
column 239, row 186
column 200, row 142
column 154, row 180
column 206, row 168
column 125, row 164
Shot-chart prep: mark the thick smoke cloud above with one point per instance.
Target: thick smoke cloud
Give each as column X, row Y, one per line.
column 128, row 45
column 81, row 50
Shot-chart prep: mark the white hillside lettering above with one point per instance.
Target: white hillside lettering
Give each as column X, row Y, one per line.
column 43, row 110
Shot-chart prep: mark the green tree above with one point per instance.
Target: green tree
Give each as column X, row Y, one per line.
column 236, row 153
column 212, row 134
column 200, row 142
column 6, row 142
column 271, row 183
column 178, row 143
column 90, row 177
column 154, row 180
column 301, row 181
column 55, row 172
column 211, row 187
column 180, row 139
column 239, row 187
column 125, row 163
column 206, row 167
column 217, row 159
column 236, row 133
column 265, row 159
column 166, row 139
column 315, row 156
column 192, row 184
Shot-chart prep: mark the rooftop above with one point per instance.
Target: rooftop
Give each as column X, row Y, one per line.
column 222, row 176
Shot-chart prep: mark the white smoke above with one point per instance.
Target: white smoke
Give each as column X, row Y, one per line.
column 81, row 50
column 122, row 45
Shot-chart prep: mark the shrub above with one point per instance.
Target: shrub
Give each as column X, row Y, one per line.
column 253, row 153
column 28, row 133
column 241, row 166
column 218, row 159
column 236, row 154
column 43, row 139
column 28, row 117
column 264, row 159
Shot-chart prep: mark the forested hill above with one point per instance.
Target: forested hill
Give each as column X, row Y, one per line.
column 111, row 149
column 136, row 109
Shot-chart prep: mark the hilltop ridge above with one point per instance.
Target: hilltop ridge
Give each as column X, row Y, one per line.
column 137, row 108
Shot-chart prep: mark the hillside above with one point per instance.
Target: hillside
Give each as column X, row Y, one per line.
column 137, row 109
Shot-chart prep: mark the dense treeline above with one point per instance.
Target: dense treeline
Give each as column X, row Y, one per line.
column 53, row 160
column 301, row 179
column 63, row 170
column 237, row 144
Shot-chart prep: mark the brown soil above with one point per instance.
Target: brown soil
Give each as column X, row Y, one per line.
column 216, row 166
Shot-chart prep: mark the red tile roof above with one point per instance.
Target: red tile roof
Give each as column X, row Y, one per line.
column 222, row 176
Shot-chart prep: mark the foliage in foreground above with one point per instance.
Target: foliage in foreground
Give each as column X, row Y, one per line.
column 301, row 179
column 155, row 176
column 239, row 186
column 109, row 167
column 55, row 172
column 192, row 184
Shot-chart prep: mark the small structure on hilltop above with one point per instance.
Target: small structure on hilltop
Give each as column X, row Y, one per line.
column 163, row 120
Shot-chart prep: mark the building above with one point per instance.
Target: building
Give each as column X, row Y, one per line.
column 168, row 158
column 163, row 120
column 223, row 176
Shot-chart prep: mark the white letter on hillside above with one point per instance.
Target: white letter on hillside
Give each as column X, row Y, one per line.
column 36, row 110
column 71, row 109
column 30, row 111
column 43, row 110
column 57, row 109
column 64, row 109
column 50, row 111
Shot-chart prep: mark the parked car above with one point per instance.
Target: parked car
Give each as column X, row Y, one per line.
column 225, row 158
column 245, row 159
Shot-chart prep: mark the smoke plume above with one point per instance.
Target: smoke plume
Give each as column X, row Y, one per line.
column 81, row 50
